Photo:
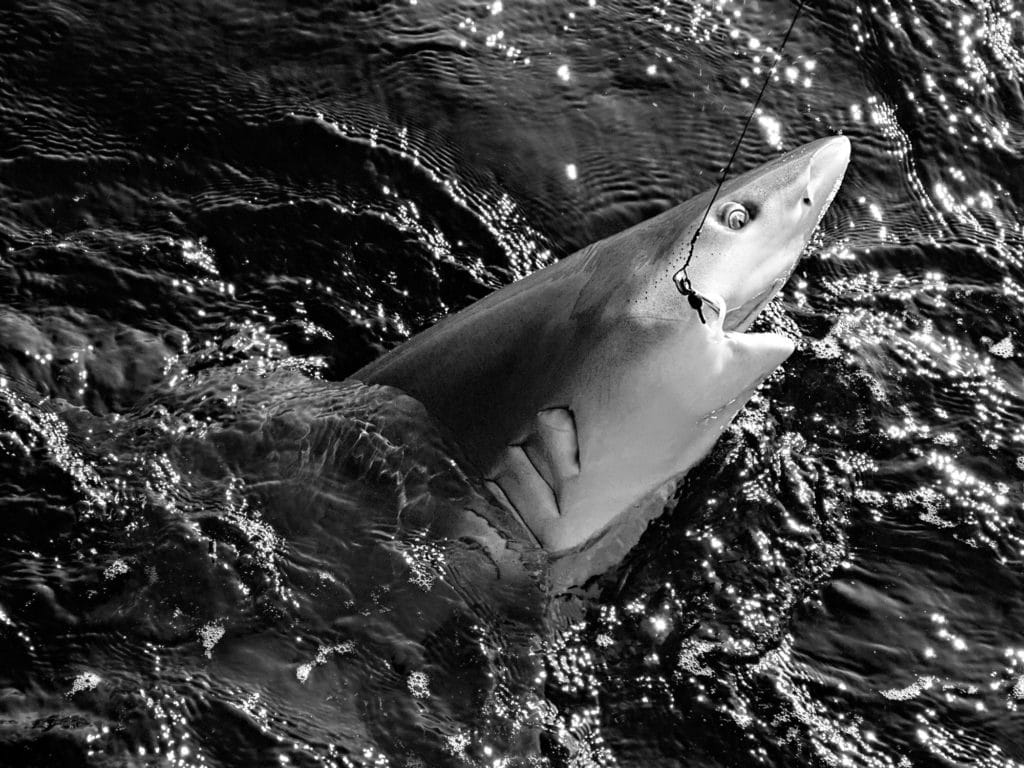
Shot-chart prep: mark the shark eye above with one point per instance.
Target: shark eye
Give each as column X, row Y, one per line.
column 735, row 216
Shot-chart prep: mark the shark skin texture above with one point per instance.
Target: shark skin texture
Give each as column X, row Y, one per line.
column 583, row 393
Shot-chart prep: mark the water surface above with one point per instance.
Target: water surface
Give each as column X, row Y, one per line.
column 215, row 551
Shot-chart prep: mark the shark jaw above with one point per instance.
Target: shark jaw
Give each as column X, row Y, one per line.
column 580, row 390
column 741, row 318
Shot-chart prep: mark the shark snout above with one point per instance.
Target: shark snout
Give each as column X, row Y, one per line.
column 827, row 167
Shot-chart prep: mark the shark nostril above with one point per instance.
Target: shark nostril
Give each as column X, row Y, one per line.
column 807, row 201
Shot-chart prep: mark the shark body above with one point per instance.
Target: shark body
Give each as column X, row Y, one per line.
column 579, row 391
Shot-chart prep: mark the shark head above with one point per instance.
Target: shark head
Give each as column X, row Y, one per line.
column 758, row 226
column 582, row 389
column 738, row 255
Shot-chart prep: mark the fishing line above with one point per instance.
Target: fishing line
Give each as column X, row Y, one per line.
column 682, row 279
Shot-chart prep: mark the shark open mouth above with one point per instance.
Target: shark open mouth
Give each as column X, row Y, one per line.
column 743, row 316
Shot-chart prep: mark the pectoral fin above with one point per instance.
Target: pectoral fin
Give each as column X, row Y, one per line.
column 553, row 447
column 528, row 476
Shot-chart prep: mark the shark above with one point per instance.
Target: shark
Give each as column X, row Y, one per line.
column 582, row 394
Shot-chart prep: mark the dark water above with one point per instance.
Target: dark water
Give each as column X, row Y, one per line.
column 213, row 552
